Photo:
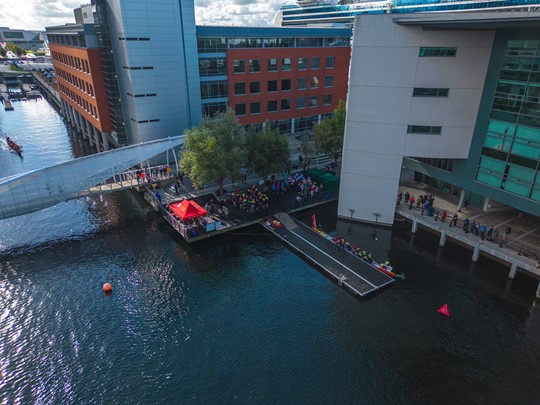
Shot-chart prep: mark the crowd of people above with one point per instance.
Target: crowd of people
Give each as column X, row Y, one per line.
column 425, row 203
column 251, row 200
column 357, row 251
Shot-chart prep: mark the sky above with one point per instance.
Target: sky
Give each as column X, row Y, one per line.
column 38, row 14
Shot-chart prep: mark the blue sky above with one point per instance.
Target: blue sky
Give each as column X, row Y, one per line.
column 38, row 14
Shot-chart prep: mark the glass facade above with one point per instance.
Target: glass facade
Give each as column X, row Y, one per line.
column 510, row 157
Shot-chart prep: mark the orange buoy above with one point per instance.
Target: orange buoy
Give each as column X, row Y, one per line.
column 107, row 287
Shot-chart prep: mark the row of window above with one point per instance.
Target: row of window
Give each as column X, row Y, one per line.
column 81, row 102
column 81, row 84
column 430, row 92
column 272, row 85
column 142, row 95
column 444, row 164
column 437, row 51
column 145, row 121
column 273, row 64
column 424, row 130
column 138, row 67
column 72, row 61
column 284, row 104
column 134, row 38
column 222, row 44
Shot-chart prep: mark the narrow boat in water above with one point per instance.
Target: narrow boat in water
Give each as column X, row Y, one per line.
column 13, row 146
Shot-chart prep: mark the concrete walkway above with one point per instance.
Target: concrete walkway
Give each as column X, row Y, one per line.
column 523, row 240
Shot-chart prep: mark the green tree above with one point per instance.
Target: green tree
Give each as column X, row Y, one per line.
column 307, row 146
column 3, row 52
column 267, row 151
column 329, row 133
column 214, row 150
column 17, row 50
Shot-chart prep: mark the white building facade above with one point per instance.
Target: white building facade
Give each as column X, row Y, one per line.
column 416, row 84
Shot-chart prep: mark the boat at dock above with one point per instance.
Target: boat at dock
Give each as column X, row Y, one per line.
column 383, row 268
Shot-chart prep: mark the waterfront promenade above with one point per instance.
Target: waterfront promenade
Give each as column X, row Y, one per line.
column 518, row 250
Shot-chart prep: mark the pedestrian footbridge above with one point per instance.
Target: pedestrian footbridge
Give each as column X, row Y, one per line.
column 90, row 175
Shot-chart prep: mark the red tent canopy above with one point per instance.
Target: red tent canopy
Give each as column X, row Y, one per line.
column 187, row 209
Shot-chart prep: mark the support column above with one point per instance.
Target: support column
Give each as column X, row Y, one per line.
column 538, row 291
column 513, row 271
column 461, row 199
column 442, row 241
column 486, row 205
column 414, row 226
column 476, row 253
column 293, row 125
column 105, row 139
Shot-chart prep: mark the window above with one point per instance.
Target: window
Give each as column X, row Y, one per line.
column 212, row 66
column 272, row 85
column 425, row 51
column 301, row 83
column 313, row 101
column 285, row 84
column 285, row 104
column 314, row 82
column 272, row 106
column 255, row 108
column 327, row 99
column 240, row 109
column 315, row 63
column 254, row 66
column 330, row 62
column 254, row 87
column 424, row 130
column 286, row 64
column 211, row 45
column 239, row 66
column 212, row 109
column 302, row 63
column 328, row 81
column 214, row 89
column 430, row 92
column 301, row 102
column 239, row 88
column 272, row 65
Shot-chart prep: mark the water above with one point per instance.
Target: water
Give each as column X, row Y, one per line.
column 240, row 318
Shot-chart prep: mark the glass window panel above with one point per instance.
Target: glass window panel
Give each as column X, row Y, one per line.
column 240, row 109
column 286, row 64
column 239, row 88
column 285, row 104
column 254, row 66
column 302, row 63
column 301, row 102
column 272, row 65
column 327, row 99
column 328, row 81
column 301, row 83
column 314, row 82
column 255, row 108
column 285, row 84
column 330, row 60
column 315, row 63
column 272, row 85
column 272, row 105
column 239, row 66
column 254, row 87
column 313, row 101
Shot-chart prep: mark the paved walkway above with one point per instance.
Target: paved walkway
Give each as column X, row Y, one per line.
column 523, row 240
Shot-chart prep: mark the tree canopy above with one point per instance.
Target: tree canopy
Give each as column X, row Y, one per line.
column 17, row 50
column 329, row 133
column 214, row 150
column 267, row 151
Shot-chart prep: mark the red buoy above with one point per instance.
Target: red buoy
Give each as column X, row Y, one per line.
column 444, row 310
column 107, row 287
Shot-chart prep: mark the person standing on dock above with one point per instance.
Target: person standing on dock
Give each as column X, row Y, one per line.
column 443, row 216
column 454, row 219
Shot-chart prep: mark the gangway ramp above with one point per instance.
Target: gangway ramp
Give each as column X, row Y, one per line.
column 359, row 277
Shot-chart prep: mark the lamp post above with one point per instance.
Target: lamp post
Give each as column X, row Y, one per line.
column 350, row 222
column 377, row 215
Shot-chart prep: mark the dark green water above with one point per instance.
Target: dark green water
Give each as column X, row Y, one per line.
column 240, row 319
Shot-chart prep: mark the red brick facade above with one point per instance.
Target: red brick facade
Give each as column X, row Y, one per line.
column 79, row 78
column 315, row 80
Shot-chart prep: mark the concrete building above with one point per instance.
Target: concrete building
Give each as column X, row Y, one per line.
column 160, row 73
column 77, row 63
column 453, row 98
column 29, row 40
column 291, row 77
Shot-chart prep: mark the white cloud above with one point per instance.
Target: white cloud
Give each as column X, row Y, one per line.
column 38, row 14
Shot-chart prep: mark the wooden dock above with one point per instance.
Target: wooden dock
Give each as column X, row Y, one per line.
column 359, row 277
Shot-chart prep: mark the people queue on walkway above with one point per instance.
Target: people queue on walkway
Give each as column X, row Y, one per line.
column 425, row 202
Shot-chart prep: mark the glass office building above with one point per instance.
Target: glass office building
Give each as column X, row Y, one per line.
column 510, row 156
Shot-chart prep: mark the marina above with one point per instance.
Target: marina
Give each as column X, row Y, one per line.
column 355, row 275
